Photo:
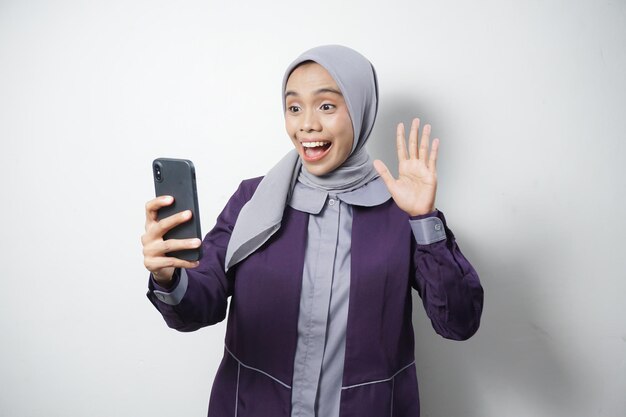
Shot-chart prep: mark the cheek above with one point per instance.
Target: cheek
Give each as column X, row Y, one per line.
column 288, row 125
column 291, row 129
column 345, row 133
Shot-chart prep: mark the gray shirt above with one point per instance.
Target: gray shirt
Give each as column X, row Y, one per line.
column 324, row 300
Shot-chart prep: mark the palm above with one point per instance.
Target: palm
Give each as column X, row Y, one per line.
column 415, row 188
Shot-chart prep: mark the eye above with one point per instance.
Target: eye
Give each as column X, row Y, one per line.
column 327, row 107
column 293, row 109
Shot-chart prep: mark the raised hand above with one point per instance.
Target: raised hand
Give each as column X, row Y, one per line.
column 414, row 189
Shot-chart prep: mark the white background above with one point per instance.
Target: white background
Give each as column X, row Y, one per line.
column 528, row 98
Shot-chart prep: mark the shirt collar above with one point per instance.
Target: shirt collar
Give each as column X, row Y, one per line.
column 311, row 200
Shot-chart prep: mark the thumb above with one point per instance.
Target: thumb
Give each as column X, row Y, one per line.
column 384, row 173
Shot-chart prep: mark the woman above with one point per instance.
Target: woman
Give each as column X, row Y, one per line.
column 320, row 256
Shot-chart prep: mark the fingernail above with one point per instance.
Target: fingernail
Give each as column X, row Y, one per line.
column 167, row 198
column 197, row 242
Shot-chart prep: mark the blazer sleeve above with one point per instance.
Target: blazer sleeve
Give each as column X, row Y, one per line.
column 445, row 280
column 199, row 296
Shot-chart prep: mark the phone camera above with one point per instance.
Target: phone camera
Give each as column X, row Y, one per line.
column 157, row 172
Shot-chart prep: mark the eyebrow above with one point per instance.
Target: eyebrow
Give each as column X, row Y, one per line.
column 316, row 92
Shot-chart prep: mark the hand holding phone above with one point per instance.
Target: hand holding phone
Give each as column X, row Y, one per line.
column 177, row 178
column 173, row 236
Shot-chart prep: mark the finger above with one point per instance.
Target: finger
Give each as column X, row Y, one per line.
column 432, row 161
column 415, row 125
column 160, row 247
column 400, row 144
column 424, row 143
column 158, row 229
column 153, row 206
column 384, row 173
column 157, row 263
column 172, row 245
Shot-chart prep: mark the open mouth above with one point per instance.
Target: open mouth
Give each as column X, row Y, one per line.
column 314, row 151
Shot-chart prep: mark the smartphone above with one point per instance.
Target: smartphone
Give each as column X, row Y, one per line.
column 177, row 177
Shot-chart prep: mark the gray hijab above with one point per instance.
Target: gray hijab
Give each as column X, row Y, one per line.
column 261, row 216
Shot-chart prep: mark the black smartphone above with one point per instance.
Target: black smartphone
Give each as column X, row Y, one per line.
column 177, row 177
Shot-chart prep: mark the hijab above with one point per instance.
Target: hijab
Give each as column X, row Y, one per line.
column 261, row 216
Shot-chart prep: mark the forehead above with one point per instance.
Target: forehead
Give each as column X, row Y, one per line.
column 310, row 76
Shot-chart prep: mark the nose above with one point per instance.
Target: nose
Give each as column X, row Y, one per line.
column 310, row 121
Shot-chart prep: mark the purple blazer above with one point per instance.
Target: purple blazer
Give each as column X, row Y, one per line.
column 255, row 375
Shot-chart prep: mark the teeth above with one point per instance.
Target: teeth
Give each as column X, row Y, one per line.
column 313, row 144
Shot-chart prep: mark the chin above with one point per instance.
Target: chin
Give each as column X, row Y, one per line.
column 317, row 170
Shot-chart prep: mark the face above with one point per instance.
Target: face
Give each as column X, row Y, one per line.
column 317, row 119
